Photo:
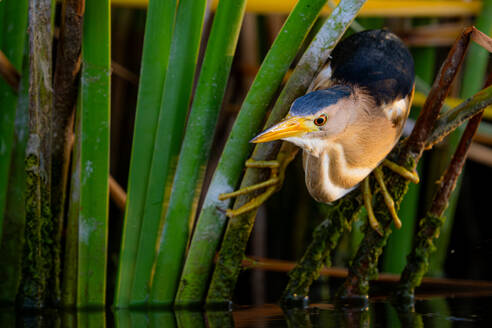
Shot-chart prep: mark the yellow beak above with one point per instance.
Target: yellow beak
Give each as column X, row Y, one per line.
column 290, row 127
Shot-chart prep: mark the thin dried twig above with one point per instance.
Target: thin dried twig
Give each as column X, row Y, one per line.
column 117, row 193
column 8, row 72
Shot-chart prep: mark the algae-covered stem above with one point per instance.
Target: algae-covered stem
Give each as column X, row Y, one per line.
column 325, row 239
column 364, row 265
column 418, row 259
column 37, row 285
column 239, row 228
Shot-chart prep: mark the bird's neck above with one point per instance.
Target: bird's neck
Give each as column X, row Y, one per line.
column 329, row 176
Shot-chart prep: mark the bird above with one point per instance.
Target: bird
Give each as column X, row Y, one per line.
column 351, row 118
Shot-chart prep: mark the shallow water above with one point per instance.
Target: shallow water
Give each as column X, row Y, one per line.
column 459, row 311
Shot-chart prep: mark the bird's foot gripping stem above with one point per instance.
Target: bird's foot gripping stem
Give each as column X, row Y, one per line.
column 390, row 204
column 272, row 185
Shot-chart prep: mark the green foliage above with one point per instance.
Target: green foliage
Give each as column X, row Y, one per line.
column 13, row 26
column 174, row 107
column 94, row 155
column 196, row 145
column 157, row 46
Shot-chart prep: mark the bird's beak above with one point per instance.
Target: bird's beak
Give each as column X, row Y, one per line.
column 290, row 127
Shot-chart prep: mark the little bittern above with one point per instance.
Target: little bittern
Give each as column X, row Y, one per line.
column 353, row 118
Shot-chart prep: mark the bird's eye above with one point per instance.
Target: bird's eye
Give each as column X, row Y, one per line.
column 320, row 120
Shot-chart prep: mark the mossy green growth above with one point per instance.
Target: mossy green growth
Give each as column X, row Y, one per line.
column 418, row 259
column 364, row 264
column 227, row 269
column 37, row 284
column 325, row 239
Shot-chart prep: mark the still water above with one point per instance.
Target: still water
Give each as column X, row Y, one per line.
column 457, row 311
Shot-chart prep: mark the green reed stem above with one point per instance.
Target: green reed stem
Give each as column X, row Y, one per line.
column 174, row 108
column 196, row 147
column 94, row 155
column 13, row 34
column 15, row 213
column 157, row 44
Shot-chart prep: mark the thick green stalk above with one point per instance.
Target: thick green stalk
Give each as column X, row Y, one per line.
column 15, row 213
column 94, row 155
column 197, row 143
column 473, row 78
column 239, row 228
column 13, row 34
column 174, row 107
column 37, row 285
column 157, row 44
column 211, row 221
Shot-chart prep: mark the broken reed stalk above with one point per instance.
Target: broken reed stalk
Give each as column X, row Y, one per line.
column 70, row 263
column 418, row 259
column 239, row 228
column 37, row 285
column 65, row 93
column 364, row 265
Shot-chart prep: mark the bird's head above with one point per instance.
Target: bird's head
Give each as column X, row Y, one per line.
column 314, row 119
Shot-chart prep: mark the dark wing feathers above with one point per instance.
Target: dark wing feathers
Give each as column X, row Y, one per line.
column 376, row 60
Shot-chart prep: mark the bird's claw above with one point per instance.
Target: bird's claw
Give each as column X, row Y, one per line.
column 271, row 186
column 278, row 166
column 413, row 176
column 390, row 204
